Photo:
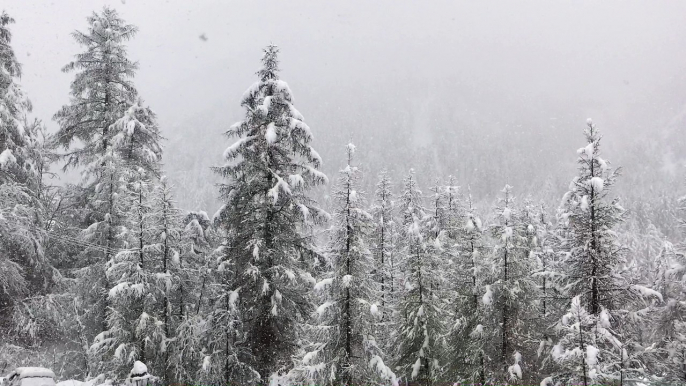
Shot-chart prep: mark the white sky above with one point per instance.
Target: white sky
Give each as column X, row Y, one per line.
column 565, row 48
column 534, row 70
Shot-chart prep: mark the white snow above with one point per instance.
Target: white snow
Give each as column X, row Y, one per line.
column 565, row 319
column 296, row 180
column 470, row 225
column 322, row 308
column 558, row 352
column 591, row 355
column 307, row 358
column 6, row 157
column 603, row 164
column 232, row 150
column 31, row 372
column 584, row 203
column 73, row 382
column 351, row 148
column 416, row 367
column 507, row 214
column 647, row 292
column 515, row 371
column 304, row 210
column 420, row 311
column 597, row 183
column 119, row 289
column 233, row 298
column 604, row 319
column 139, row 368
column 507, row 233
column 315, row 156
column 270, row 134
column 478, row 331
column 295, row 124
column 541, row 346
column 383, row 370
column 322, row 284
column 346, row 280
column 488, row 296
column 374, row 309
column 586, row 151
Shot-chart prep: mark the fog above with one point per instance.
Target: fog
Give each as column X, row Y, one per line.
column 490, row 91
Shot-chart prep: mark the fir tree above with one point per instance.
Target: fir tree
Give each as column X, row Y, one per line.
column 25, row 270
column 344, row 350
column 514, row 288
column 383, row 237
column 594, row 252
column 118, row 144
column 269, row 170
column 594, row 260
column 421, row 327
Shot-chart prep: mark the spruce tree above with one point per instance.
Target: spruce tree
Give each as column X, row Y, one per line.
column 344, row 349
column 25, row 270
column 421, row 310
column 594, row 261
column 383, row 241
column 265, row 216
column 107, row 132
column 514, row 289
column 594, row 253
column 667, row 318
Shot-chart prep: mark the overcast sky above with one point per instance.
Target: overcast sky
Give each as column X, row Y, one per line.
column 509, row 63
column 613, row 49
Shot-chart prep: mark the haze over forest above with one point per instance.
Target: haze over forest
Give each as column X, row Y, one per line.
column 491, row 92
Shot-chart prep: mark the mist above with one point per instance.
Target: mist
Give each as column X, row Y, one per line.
column 420, row 75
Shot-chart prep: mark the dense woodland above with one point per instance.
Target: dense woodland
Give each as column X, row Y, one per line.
column 399, row 284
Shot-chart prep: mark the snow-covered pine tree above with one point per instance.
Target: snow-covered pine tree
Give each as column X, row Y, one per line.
column 100, row 93
column 514, row 291
column 594, row 253
column 383, row 240
column 266, row 213
column 467, row 331
column 669, row 326
column 165, row 248
column 420, row 310
column 455, row 215
column 594, row 261
column 144, row 277
column 191, row 359
column 118, row 144
column 344, row 349
column 102, row 89
column 544, row 274
column 132, row 319
column 575, row 353
column 24, row 268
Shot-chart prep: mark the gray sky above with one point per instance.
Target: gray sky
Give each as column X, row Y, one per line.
column 509, row 63
column 570, row 49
